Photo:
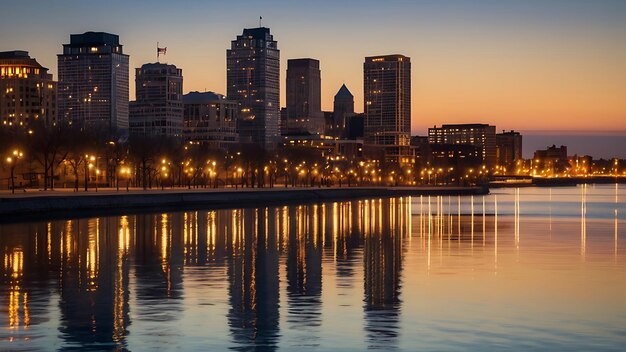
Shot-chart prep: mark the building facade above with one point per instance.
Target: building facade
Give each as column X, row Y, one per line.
column 158, row 108
column 27, row 91
column 253, row 80
column 93, row 81
column 387, row 107
column 547, row 162
column 482, row 136
column 210, row 119
column 508, row 148
column 343, row 110
column 304, row 98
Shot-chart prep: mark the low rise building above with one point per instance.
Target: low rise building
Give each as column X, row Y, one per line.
column 210, row 119
column 27, row 91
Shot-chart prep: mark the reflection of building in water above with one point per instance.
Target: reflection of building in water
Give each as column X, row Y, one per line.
column 347, row 231
column 23, row 279
column 304, row 269
column 159, row 258
column 94, row 283
column 253, row 279
column 386, row 224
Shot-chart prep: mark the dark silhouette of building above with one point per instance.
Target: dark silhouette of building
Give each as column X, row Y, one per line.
column 460, row 156
column 158, row 109
column 508, row 148
column 304, row 101
column 343, row 109
column 550, row 160
column 93, row 81
column 553, row 152
column 387, row 100
column 28, row 91
column 356, row 126
column 253, row 79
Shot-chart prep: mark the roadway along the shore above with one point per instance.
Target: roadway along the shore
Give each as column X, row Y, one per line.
column 44, row 204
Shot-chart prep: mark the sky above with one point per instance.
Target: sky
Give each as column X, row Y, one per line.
column 529, row 65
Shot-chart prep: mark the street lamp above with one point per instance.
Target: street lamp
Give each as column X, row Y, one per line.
column 87, row 166
column 126, row 171
column 163, row 175
column 240, row 173
column 12, row 160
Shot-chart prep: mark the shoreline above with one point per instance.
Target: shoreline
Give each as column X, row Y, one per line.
column 557, row 182
column 31, row 206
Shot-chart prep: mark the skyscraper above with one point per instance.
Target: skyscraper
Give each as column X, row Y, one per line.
column 28, row 92
column 158, row 109
column 93, row 81
column 304, row 101
column 387, row 100
column 253, row 79
column 342, row 112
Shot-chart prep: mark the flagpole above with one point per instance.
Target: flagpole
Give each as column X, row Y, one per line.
column 157, row 52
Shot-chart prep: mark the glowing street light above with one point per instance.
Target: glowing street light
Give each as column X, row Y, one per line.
column 12, row 161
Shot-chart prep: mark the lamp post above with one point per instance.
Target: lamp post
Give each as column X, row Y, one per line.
column 214, row 171
column 126, row 171
column 240, row 176
column 163, row 176
column 12, row 160
column 87, row 166
column 97, row 173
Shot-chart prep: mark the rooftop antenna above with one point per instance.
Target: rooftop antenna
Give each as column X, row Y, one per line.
column 260, row 19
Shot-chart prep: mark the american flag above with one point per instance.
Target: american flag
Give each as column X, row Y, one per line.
column 161, row 50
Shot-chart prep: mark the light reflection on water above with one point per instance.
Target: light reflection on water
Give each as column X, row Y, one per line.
column 532, row 268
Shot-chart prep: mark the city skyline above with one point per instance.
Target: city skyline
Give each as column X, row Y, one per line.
column 526, row 66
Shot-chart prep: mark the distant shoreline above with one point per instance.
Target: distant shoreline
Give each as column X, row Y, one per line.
column 557, row 182
column 28, row 206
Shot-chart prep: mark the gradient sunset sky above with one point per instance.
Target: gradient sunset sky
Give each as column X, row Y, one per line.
column 557, row 65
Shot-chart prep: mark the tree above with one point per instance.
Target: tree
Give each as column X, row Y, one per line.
column 49, row 145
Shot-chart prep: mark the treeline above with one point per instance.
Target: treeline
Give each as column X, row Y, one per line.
column 83, row 158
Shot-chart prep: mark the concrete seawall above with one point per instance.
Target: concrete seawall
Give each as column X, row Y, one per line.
column 35, row 206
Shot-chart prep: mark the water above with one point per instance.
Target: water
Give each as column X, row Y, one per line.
column 542, row 269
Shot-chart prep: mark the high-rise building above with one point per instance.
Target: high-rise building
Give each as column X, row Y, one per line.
column 93, row 81
column 27, row 91
column 253, row 79
column 342, row 112
column 304, row 98
column 508, row 148
column 210, row 119
column 387, row 100
column 158, row 109
column 479, row 135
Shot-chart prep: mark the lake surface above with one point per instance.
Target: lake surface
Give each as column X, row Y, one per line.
column 520, row 269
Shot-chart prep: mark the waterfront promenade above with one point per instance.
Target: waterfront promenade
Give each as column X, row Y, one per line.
column 35, row 203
